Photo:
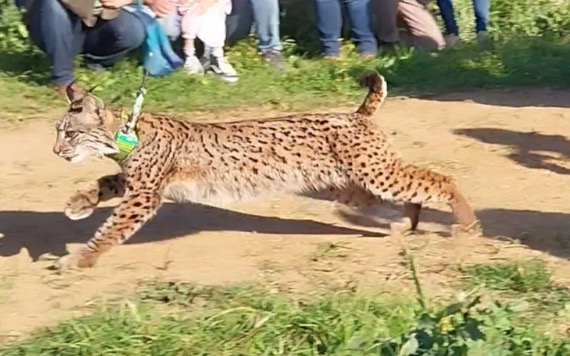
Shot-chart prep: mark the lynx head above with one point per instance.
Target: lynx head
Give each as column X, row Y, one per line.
column 87, row 128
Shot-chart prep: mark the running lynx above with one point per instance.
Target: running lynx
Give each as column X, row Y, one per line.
column 219, row 163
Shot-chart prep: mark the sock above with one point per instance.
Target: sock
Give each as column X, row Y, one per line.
column 218, row 52
column 189, row 50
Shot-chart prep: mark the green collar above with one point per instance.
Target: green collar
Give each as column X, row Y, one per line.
column 126, row 139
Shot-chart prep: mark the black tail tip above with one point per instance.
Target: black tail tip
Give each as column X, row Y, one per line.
column 372, row 80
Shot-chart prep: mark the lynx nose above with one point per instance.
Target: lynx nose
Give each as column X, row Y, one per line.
column 57, row 148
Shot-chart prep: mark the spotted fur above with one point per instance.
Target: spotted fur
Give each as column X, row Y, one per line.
column 216, row 164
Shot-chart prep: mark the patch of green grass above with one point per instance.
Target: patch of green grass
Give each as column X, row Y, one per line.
column 515, row 276
column 176, row 318
column 309, row 83
column 527, row 283
column 248, row 321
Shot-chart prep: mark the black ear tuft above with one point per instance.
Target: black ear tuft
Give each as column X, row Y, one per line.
column 92, row 89
column 74, row 92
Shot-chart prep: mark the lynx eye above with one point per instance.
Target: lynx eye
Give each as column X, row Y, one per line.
column 71, row 134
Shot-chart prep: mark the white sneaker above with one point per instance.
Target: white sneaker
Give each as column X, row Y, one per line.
column 451, row 40
column 193, row 66
column 222, row 68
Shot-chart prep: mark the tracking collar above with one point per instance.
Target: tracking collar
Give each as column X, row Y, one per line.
column 126, row 137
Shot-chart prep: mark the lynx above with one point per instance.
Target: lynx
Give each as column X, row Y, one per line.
column 345, row 154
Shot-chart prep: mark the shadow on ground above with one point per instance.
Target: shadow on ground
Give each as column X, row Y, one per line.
column 49, row 232
column 527, row 148
column 542, row 231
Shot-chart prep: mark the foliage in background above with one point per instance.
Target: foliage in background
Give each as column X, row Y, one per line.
column 530, row 50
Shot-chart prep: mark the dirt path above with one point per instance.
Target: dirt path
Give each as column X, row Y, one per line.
column 511, row 160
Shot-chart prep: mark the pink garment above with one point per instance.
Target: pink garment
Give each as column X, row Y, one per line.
column 209, row 26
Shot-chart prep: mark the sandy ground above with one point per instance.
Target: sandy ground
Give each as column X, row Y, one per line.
column 508, row 150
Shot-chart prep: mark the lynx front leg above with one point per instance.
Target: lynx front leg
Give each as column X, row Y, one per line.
column 84, row 201
column 127, row 218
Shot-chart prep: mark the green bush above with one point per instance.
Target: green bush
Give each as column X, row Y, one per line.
column 13, row 33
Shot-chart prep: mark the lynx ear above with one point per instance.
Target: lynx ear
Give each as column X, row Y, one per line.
column 92, row 89
column 74, row 92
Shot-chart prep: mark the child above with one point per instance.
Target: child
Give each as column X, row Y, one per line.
column 206, row 19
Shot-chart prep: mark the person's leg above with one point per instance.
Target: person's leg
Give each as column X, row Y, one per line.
column 109, row 41
column 189, row 25
column 448, row 17
column 20, row 3
column 170, row 24
column 329, row 24
column 386, row 13
column 59, row 34
column 421, row 25
column 239, row 21
column 360, row 14
column 266, row 18
column 482, row 8
column 212, row 32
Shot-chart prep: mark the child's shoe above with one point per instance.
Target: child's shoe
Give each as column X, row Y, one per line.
column 222, row 68
column 193, row 66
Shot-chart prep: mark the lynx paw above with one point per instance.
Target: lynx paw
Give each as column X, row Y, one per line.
column 82, row 258
column 403, row 227
column 80, row 206
column 473, row 230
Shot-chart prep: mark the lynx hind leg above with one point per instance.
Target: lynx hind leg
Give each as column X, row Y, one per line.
column 409, row 221
column 446, row 191
column 415, row 187
column 356, row 197
column 84, row 201
column 468, row 224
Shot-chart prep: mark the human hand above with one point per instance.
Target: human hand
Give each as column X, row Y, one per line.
column 160, row 7
column 115, row 4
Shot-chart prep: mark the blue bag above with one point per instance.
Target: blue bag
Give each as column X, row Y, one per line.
column 158, row 57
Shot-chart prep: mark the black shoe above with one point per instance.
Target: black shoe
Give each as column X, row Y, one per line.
column 389, row 48
column 275, row 58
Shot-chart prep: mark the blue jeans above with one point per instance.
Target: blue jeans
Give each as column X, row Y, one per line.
column 62, row 36
column 481, row 7
column 329, row 24
column 264, row 14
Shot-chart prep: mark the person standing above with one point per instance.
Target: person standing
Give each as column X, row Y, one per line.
column 264, row 16
column 329, row 24
column 481, row 8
